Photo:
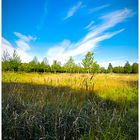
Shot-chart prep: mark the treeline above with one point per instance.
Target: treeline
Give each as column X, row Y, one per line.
column 88, row 65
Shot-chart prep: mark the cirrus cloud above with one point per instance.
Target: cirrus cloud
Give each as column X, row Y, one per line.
column 92, row 38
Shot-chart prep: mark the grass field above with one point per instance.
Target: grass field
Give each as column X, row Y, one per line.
column 69, row 107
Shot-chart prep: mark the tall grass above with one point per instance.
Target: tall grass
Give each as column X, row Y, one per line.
column 70, row 107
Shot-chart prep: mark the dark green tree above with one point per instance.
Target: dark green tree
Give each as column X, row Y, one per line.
column 110, row 68
column 15, row 61
column 24, row 67
column 33, row 65
column 6, row 61
column 116, row 70
column 135, row 68
column 127, row 68
column 87, row 62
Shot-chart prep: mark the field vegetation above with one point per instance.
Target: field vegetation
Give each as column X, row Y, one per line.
column 46, row 106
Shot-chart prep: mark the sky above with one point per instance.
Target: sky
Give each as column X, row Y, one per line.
column 60, row 29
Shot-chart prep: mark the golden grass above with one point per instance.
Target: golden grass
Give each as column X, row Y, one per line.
column 105, row 85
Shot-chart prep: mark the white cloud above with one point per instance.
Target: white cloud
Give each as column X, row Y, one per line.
column 24, row 55
column 6, row 46
column 98, row 8
column 73, row 10
column 91, row 39
column 109, row 20
column 62, row 51
column 24, row 37
column 22, row 46
column 89, row 25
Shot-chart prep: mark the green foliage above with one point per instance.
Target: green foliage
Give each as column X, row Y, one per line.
column 15, row 62
column 95, row 68
column 110, row 68
column 44, row 66
column 56, row 66
column 87, row 62
column 70, row 65
column 127, row 68
column 118, row 69
column 102, row 70
column 24, row 67
column 135, row 68
column 33, row 65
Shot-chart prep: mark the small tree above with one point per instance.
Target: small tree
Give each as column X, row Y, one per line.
column 110, row 68
column 102, row 70
column 33, row 65
column 87, row 62
column 70, row 65
column 24, row 67
column 56, row 66
column 44, row 66
column 6, row 61
column 15, row 61
column 127, row 68
column 135, row 68
column 116, row 70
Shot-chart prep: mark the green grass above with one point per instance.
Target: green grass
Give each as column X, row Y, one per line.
column 63, row 106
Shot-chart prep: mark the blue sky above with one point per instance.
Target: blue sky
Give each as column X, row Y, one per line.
column 60, row 29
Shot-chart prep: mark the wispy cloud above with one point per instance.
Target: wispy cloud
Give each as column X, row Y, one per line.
column 109, row 20
column 90, row 25
column 6, row 46
column 73, row 10
column 91, row 39
column 22, row 46
column 98, row 8
column 63, row 50
column 24, row 37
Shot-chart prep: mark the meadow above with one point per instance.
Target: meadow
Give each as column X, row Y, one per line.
column 38, row 106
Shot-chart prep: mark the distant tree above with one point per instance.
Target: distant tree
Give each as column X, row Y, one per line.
column 6, row 61
column 33, row 65
column 56, row 66
column 6, row 56
column 121, row 69
column 116, row 70
column 95, row 68
column 127, row 68
column 102, row 70
column 15, row 61
column 87, row 62
column 110, row 68
column 45, row 61
column 44, row 66
column 79, row 68
column 24, row 67
column 70, row 65
column 135, row 68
